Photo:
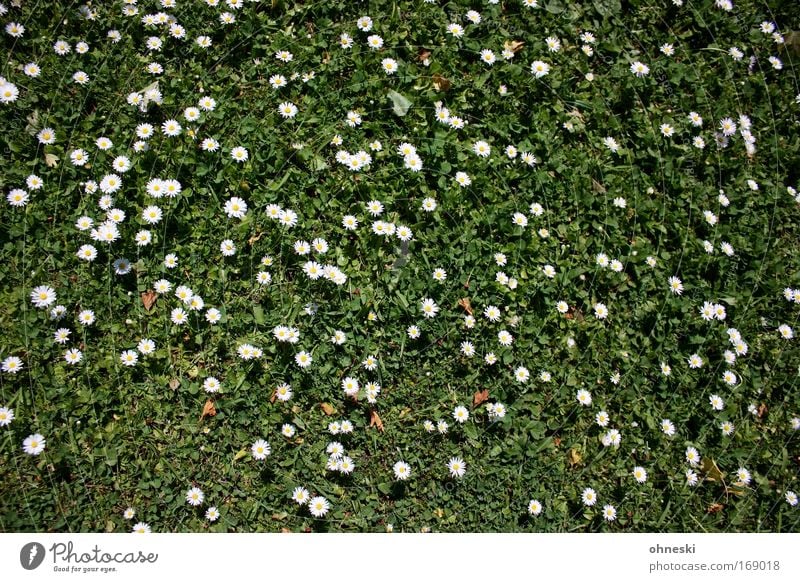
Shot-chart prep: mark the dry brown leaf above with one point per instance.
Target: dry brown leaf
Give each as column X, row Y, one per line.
column 711, row 470
column 513, row 45
column 208, row 409
column 375, row 420
column 423, row 54
column 174, row 383
column 441, row 83
column 327, row 408
column 715, row 508
column 148, row 299
column 480, row 397
column 573, row 457
column 762, row 410
column 465, row 304
column 273, row 397
column 253, row 239
column 557, row 441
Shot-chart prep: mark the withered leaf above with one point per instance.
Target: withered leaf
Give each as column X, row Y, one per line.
column 423, row 54
column 327, row 408
column 208, row 409
column 715, row 508
column 253, row 239
column 711, row 470
column 480, row 397
column 762, row 410
column 465, row 304
column 573, row 457
column 513, row 45
column 441, row 83
column 148, row 299
column 375, row 420
column 174, row 383
column 556, row 440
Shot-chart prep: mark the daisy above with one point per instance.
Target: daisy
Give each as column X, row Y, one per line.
column 522, row 374
column 457, row 467
column 786, row 331
column 194, row 496
column 791, row 498
column 389, row 66
column 692, row 456
column 675, row 285
column 374, row 42
column 34, row 444
column 402, row 470
column 639, row 69
column 239, row 154
column 609, row 513
column 212, row 514
column 600, row 310
column 318, row 506
column 300, row 495
column 260, row 450
column 429, row 308
column 6, row 416
column 129, row 513
column 303, row 359
column 691, row 478
column 695, row 361
column 667, row 427
column 141, row 528
column 602, row 418
column 488, row 56
column 287, row 109
column 283, row 392
column 539, row 69
column 716, row 402
column 584, row 397
column 534, row 507
column 129, row 358
column 589, row 497
column 461, row 414
column 640, row 474
column 43, row 296
column 743, row 476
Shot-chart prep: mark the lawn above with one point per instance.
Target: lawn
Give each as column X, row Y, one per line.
column 496, row 265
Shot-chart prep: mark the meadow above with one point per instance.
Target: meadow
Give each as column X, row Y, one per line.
column 488, row 265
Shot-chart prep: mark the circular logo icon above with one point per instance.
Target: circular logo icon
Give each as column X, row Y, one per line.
column 31, row 555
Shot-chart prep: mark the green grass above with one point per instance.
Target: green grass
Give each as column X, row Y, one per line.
column 120, row 436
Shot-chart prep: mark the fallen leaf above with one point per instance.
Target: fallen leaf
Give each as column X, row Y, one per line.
column 711, row 470
column 513, row 45
column 465, row 304
column 715, row 508
column 441, row 83
column 423, row 54
column 148, row 299
column 480, row 397
column 375, row 420
column 762, row 410
column 240, row 455
column 556, row 440
column 284, row 530
column 51, row 160
column 174, row 383
column 208, row 409
column 327, row 408
column 273, row 397
column 252, row 240
column 573, row 457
